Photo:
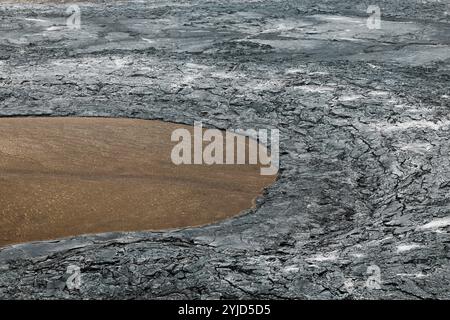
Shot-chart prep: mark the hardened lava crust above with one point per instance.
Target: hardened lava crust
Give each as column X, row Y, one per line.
column 362, row 195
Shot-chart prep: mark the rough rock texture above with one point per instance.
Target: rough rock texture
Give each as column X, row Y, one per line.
column 364, row 126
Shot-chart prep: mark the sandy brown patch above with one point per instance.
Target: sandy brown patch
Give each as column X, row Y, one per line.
column 68, row 176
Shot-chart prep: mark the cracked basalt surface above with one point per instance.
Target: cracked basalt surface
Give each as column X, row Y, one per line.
column 364, row 152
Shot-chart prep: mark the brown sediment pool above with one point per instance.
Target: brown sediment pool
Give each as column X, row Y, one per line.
column 69, row 176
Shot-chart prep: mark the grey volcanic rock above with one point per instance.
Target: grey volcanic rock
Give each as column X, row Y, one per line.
column 364, row 126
